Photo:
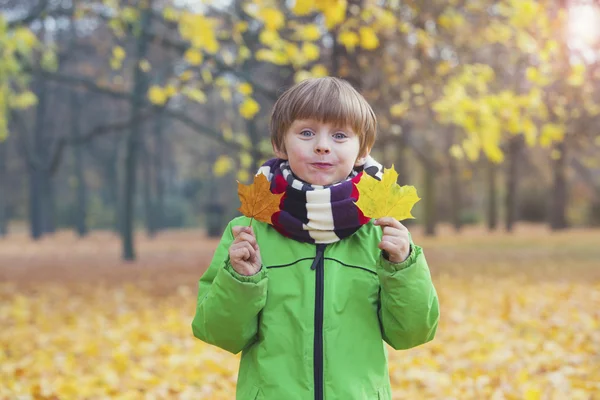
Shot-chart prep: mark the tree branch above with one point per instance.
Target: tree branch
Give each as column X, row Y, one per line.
column 205, row 130
column 79, row 81
column 33, row 15
column 95, row 132
column 177, row 115
column 182, row 47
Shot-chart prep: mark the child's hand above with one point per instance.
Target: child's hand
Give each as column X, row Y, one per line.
column 244, row 254
column 395, row 239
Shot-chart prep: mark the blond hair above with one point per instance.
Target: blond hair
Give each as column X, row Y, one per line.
column 328, row 100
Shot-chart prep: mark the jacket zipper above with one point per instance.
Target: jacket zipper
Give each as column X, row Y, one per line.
column 318, row 265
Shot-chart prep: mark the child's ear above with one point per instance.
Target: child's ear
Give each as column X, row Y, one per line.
column 279, row 153
column 362, row 159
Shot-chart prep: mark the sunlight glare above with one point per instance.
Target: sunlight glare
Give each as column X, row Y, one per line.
column 584, row 25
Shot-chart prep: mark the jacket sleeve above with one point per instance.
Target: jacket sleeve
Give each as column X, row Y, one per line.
column 409, row 307
column 228, row 303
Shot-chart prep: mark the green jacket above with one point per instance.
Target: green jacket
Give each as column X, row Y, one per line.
column 312, row 323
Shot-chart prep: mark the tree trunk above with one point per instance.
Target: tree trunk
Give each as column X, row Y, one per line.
column 3, row 191
column 429, row 199
column 558, row 219
column 159, row 212
column 492, row 220
column 455, row 194
column 255, row 140
column 37, row 168
column 139, row 91
column 148, row 202
column 49, row 220
column 113, row 182
column 455, row 198
column 80, row 186
column 514, row 152
column 400, row 164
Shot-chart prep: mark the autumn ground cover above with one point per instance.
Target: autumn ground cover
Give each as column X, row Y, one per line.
column 520, row 319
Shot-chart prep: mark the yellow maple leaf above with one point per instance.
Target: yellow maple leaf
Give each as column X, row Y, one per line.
column 257, row 200
column 385, row 198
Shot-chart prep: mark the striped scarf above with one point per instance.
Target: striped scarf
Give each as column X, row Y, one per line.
column 313, row 213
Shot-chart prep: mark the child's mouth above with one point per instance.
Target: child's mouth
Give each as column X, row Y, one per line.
column 321, row 165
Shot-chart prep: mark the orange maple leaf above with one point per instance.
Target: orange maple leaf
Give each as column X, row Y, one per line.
column 257, row 200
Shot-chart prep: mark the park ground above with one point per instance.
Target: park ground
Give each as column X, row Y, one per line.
column 520, row 319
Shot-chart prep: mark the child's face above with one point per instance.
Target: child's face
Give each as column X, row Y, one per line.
column 320, row 153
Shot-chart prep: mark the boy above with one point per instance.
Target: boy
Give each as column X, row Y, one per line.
column 311, row 299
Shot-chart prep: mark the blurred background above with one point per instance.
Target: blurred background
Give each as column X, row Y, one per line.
column 124, row 125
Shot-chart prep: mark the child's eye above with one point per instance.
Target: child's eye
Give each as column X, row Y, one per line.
column 340, row 135
column 306, row 133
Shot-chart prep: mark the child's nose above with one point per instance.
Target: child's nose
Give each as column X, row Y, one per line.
column 320, row 149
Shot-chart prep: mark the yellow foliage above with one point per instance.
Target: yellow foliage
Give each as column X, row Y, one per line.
column 145, row 65
column 171, row 14
column 272, row 18
column 249, row 108
column 206, row 76
column 551, row 133
column 368, row 38
column 303, row 7
column 269, row 37
column 245, row 160
column 186, row 76
column 223, row 165
column 226, row 94
column 200, row 31
column 129, row 14
column 25, row 39
column 309, row 32
column 243, row 176
column 193, row 57
column 457, row 152
column 310, row 51
column 334, row 11
column 319, row 71
column 443, row 68
column 274, row 57
column 399, row 109
column 227, row 132
column 194, row 94
column 577, row 76
column 349, row 39
column 49, row 60
column 245, row 88
column 157, row 95
column 23, row 100
column 411, row 68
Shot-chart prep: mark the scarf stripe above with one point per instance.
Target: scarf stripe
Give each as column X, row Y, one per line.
column 313, row 213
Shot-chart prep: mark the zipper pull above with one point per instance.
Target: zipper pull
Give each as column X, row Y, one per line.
column 320, row 252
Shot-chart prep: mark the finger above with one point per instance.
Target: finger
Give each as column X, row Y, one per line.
column 236, row 230
column 251, row 251
column 392, row 231
column 246, row 237
column 240, row 254
column 388, row 221
column 387, row 246
column 390, row 239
